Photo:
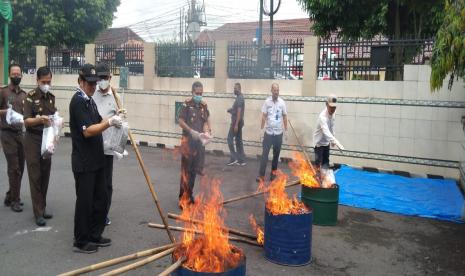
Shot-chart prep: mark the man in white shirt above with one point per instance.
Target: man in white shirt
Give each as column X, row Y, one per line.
column 323, row 136
column 106, row 105
column 274, row 120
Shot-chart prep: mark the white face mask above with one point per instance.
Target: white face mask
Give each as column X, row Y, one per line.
column 44, row 88
column 103, row 84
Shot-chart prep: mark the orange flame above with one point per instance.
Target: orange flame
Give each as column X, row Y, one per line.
column 300, row 168
column 278, row 202
column 257, row 229
column 209, row 251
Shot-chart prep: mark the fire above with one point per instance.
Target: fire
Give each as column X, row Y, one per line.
column 257, row 229
column 210, row 251
column 278, row 202
column 303, row 171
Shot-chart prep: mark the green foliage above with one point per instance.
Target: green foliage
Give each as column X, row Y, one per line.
column 449, row 47
column 366, row 18
column 58, row 23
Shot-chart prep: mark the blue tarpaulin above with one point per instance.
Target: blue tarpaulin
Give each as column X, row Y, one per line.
column 431, row 198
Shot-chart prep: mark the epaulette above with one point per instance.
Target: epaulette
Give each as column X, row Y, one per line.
column 204, row 104
column 31, row 93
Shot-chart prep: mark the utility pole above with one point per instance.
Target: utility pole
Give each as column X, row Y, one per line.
column 260, row 26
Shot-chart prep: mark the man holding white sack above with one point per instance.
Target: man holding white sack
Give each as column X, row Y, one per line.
column 12, row 96
column 87, row 161
column 107, row 107
column 38, row 107
column 323, row 137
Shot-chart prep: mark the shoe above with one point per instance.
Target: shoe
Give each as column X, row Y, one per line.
column 40, row 221
column 87, row 248
column 241, row 163
column 7, row 202
column 16, row 207
column 232, row 162
column 272, row 177
column 260, row 179
column 102, row 242
column 107, row 221
column 47, row 215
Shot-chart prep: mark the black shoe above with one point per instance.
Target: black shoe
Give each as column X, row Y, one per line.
column 7, row 202
column 40, row 221
column 102, row 242
column 272, row 177
column 16, row 207
column 231, row 162
column 260, row 179
column 47, row 215
column 87, row 249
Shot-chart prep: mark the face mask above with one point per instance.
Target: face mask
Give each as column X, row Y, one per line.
column 15, row 80
column 103, row 84
column 197, row 99
column 44, row 88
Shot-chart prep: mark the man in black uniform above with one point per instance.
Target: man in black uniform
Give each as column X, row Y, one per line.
column 39, row 104
column 12, row 136
column 194, row 120
column 87, row 160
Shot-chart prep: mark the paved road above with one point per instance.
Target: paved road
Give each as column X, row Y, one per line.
column 363, row 243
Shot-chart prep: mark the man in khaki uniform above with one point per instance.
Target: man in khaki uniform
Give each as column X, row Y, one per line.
column 12, row 136
column 39, row 104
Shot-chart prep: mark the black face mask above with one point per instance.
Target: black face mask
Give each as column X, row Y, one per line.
column 15, row 80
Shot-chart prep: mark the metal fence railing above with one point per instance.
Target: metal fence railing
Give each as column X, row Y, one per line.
column 370, row 59
column 185, row 60
column 27, row 60
column 65, row 61
column 280, row 60
column 131, row 56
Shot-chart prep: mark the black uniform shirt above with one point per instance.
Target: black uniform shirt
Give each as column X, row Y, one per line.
column 87, row 154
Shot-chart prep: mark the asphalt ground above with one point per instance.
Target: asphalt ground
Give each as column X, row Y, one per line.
column 363, row 242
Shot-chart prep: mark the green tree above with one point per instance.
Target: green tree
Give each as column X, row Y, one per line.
column 449, row 47
column 366, row 18
column 58, row 23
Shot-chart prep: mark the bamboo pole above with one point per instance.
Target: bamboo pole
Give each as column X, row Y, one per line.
column 303, row 149
column 230, row 230
column 118, row 260
column 293, row 183
column 147, row 176
column 182, row 229
column 139, row 263
column 172, row 267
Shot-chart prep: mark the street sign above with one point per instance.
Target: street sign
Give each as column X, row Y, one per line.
column 123, row 77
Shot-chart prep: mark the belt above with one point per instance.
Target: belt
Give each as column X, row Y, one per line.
column 12, row 130
column 34, row 131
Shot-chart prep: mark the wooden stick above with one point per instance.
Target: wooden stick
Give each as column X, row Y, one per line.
column 303, row 149
column 293, row 183
column 182, row 229
column 230, row 230
column 118, row 260
column 139, row 263
column 147, row 176
column 173, row 267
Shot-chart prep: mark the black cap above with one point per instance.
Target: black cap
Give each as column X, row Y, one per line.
column 102, row 69
column 87, row 72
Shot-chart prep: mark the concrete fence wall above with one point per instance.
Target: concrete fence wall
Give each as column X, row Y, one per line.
column 391, row 125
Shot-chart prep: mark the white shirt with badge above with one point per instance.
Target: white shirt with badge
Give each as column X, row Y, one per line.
column 274, row 112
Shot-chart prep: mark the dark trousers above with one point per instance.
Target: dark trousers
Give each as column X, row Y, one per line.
column 109, row 179
column 238, row 153
column 12, row 143
column 91, row 206
column 270, row 140
column 38, row 170
column 322, row 156
column 192, row 161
